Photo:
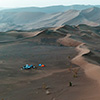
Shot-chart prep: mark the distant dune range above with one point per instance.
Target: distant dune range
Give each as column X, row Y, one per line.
column 34, row 18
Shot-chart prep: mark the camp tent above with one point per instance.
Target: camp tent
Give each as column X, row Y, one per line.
column 41, row 65
column 27, row 66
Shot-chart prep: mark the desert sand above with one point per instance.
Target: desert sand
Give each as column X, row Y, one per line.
column 91, row 70
column 62, row 53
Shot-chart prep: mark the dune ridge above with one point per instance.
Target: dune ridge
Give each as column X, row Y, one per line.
column 91, row 70
column 67, row 41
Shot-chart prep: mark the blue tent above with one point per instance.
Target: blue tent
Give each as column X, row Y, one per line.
column 40, row 65
column 27, row 66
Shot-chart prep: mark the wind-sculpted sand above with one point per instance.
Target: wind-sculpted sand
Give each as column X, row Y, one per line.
column 67, row 41
column 55, row 49
column 91, row 70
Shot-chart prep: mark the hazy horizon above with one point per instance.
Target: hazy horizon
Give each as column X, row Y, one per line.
column 44, row 3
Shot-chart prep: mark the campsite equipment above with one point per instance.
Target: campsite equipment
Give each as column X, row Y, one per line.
column 27, row 66
column 34, row 67
column 40, row 65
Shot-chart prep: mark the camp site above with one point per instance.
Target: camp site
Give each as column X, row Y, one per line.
column 29, row 66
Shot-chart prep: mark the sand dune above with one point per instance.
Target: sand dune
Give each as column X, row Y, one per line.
column 66, row 41
column 41, row 46
column 28, row 19
column 91, row 70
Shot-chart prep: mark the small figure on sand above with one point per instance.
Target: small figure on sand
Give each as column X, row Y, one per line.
column 70, row 84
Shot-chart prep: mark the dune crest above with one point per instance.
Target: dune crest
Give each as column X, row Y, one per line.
column 91, row 70
column 67, row 41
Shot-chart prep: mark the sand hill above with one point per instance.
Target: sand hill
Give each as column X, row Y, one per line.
column 26, row 19
column 70, row 53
